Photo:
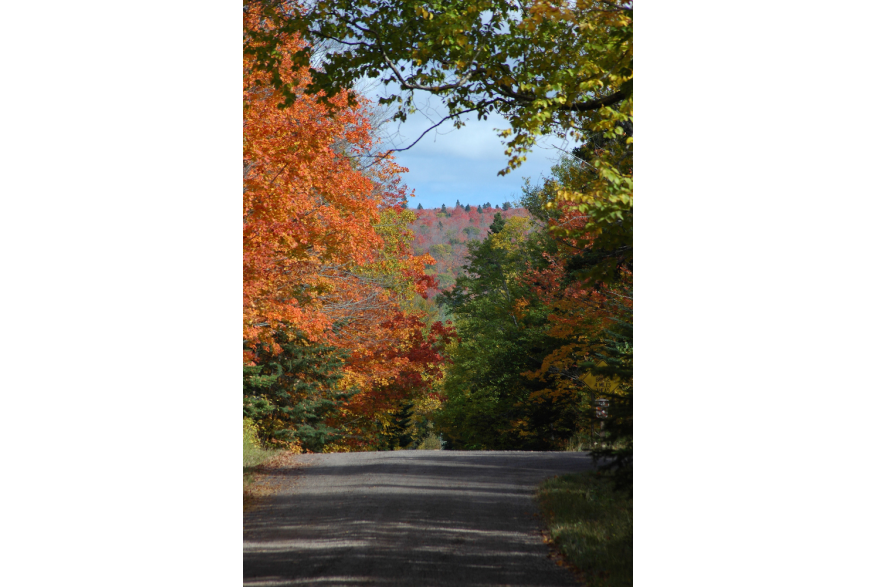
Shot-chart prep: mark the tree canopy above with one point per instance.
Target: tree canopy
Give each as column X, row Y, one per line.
column 544, row 65
column 549, row 67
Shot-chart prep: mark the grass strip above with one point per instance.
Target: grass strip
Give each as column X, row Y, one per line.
column 253, row 457
column 592, row 526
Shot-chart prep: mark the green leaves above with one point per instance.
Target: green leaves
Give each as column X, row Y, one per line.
column 542, row 65
column 503, row 333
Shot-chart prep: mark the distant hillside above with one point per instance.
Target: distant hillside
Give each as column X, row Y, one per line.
column 444, row 236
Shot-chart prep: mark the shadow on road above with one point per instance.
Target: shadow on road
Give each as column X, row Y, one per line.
column 408, row 518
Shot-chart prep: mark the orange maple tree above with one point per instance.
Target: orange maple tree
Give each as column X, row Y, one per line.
column 326, row 244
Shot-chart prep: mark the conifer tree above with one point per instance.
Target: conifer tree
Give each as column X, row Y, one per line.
column 420, row 206
column 444, row 210
column 498, row 223
column 294, row 395
column 399, row 435
column 258, row 380
column 468, row 208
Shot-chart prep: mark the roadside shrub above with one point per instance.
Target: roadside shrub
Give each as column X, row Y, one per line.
column 431, row 442
column 251, row 434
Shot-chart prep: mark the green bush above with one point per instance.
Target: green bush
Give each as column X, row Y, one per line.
column 254, row 454
column 431, row 442
column 251, row 434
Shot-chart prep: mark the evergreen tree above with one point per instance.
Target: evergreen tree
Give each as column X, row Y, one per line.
column 480, row 210
column 458, row 203
column 420, row 206
column 444, row 210
column 468, row 208
column 506, row 206
column 293, row 396
column 258, row 381
column 400, row 434
column 498, row 223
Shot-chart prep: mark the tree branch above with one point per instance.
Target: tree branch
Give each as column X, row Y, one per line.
column 385, row 154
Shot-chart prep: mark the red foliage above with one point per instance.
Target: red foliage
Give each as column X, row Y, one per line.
column 453, row 236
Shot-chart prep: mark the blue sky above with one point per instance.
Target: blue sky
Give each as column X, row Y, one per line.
column 451, row 164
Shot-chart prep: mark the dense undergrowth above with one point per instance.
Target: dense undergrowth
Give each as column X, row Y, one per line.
column 591, row 523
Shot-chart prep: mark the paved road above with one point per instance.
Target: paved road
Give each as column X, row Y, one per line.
column 421, row 518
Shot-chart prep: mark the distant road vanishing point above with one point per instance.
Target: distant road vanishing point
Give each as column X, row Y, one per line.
column 418, row 518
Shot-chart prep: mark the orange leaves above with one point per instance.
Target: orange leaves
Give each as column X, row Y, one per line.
column 306, row 208
column 415, row 359
column 579, row 314
column 326, row 248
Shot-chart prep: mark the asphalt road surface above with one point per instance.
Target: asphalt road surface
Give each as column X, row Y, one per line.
column 406, row 518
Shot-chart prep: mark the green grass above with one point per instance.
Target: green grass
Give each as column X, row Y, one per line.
column 592, row 525
column 254, row 454
column 253, row 457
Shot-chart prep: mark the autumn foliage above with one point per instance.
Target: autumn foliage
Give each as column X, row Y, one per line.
column 327, row 254
column 445, row 237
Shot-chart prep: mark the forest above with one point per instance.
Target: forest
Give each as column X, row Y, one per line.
column 369, row 325
column 445, row 234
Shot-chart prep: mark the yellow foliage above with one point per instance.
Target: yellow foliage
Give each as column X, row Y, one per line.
column 513, row 234
column 251, row 433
